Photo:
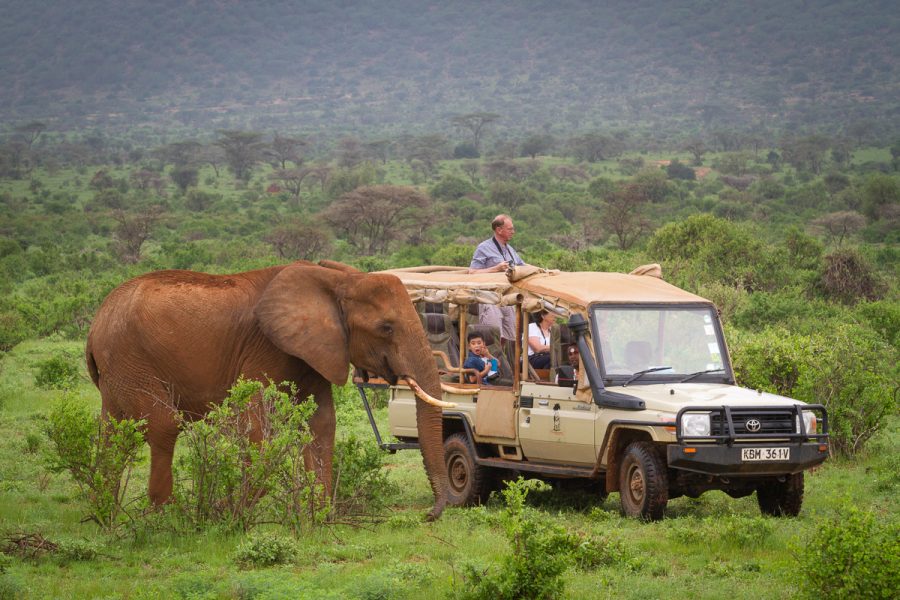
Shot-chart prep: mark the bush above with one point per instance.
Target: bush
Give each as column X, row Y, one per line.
column 57, row 372
column 849, row 278
column 847, row 368
column 361, row 486
column 540, row 553
column 98, row 454
column 854, row 555
column 224, row 478
column 265, row 550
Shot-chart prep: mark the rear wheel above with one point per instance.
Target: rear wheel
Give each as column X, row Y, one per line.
column 781, row 498
column 470, row 483
column 643, row 482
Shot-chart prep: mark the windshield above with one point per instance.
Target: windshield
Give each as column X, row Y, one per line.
column 669, row 343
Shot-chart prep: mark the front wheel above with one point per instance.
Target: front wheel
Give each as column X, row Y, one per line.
column 469, row 483
column 781, row 498
column 643, row 482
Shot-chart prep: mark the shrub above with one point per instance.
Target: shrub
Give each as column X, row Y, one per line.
column 222, row 477
column 57, row 372
column 540, row 552
column 78, row 550
column 265, row 550
column 847, row 368
column 98, row 454
column 849, row 278
column 856, row 554
column 361, row 486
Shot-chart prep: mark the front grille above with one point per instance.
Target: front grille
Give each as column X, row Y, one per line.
column 770, row 422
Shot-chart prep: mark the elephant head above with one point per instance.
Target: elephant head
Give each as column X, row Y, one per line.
column 333, row 315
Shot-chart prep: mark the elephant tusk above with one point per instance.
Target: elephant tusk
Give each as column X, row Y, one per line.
column 425, row 397
column 450, row 389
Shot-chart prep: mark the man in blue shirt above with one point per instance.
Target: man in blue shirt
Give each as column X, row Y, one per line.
column 495, row 255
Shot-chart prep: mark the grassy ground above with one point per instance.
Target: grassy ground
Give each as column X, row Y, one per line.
column 712, row 547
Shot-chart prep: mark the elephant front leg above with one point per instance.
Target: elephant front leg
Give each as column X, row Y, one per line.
column 161, row 451
column 319, row 453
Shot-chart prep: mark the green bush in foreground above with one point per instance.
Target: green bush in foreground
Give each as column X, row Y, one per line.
column 98, row 454
column 855, row 555
column 540, row 553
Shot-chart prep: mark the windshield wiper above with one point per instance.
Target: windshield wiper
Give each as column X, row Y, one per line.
column 640, row 374
column 699, row 373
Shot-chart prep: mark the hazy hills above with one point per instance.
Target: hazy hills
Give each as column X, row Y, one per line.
column 405, row 65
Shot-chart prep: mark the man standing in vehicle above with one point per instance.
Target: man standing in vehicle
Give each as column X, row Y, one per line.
column 495, row 255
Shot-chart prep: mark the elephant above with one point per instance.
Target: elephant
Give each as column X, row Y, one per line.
column 170, row 343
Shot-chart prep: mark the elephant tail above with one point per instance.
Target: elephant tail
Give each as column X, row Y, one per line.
column 91, row 363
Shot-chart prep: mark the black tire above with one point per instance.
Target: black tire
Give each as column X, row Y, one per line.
column 781, row 498
column 643, row 482
column 470, row 484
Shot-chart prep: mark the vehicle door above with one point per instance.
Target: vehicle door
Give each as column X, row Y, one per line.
column 554, row 426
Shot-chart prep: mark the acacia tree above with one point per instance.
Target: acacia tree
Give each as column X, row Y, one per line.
column 292, row 179
column 623, row 214
column 475, row 123
column 285, row 149
column 299, row 240
column 242, row 151
column 838, row 225
column 132, row 230
column 370, row 217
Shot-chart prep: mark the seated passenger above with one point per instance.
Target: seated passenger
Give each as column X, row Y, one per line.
column 480, row 359
column 569, row 372
column 539, row 340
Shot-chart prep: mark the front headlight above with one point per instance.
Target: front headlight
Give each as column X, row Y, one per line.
column 695, row 424
column 809, row 422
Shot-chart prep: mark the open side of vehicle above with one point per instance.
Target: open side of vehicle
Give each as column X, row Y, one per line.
column 650, row 410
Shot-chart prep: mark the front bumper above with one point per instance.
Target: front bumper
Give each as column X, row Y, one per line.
column 715, row 459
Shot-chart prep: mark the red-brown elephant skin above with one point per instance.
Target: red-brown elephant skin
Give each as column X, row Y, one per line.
column 172, row 342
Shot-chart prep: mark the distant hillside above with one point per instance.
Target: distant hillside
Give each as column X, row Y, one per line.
column 401, row 65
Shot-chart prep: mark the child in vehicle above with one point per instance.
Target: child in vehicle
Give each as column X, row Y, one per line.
column 480, row 359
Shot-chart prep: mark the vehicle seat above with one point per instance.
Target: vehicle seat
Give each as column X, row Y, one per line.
column 491, row 336
column 638, row 355
column 560, row 339
column 441, row 336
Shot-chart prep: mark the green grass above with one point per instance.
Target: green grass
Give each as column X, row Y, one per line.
column 711, row 547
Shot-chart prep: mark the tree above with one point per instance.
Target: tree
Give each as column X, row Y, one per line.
column 697, row 148
column 623, row 214
column 181, row 154
column 372, row 216
column 676, row 170
column 292, row 179
column 806, row 153
column 132, row 230
column 471, row 168
column 242, row 151
column 285, row 149
column 428, row 150
column 879, row 193
column 298, row 240
column 378, row 150
column 146, row 180
column 350, row 152
column 535, row 144
column 593, row 147
column 475, row 123
column 30, row 132
column 838, row 225
column 861, row 130
column 184, row 177
column 511, row 195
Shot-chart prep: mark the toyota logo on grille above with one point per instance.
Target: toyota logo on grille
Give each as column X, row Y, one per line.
column 753, row 425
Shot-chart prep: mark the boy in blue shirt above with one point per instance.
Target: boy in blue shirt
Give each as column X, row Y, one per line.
column 480, row 359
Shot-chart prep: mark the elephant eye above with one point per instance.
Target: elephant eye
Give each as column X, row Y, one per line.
column 386, row 328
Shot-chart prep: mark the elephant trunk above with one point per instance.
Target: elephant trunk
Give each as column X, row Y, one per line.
column 429, row 420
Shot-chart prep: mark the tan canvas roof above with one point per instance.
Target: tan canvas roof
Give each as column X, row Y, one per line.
column 569, row 290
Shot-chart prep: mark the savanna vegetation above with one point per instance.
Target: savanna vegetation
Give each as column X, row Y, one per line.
column 794, row 239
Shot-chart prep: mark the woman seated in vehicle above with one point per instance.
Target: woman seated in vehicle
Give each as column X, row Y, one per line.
column 539, row 340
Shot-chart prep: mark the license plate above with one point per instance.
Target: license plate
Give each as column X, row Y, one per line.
column 752, row 454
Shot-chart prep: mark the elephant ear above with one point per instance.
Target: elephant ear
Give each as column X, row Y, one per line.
column 300, row 313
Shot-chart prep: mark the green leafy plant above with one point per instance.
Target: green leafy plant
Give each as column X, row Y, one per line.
column 361, row 486
column 57, row 372
column 540, row 552
column 223, row 477
column 856, row 554
column 98, row 454
column 265, row 550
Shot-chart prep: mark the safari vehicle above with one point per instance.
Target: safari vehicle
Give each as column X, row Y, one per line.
column 653, row 412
